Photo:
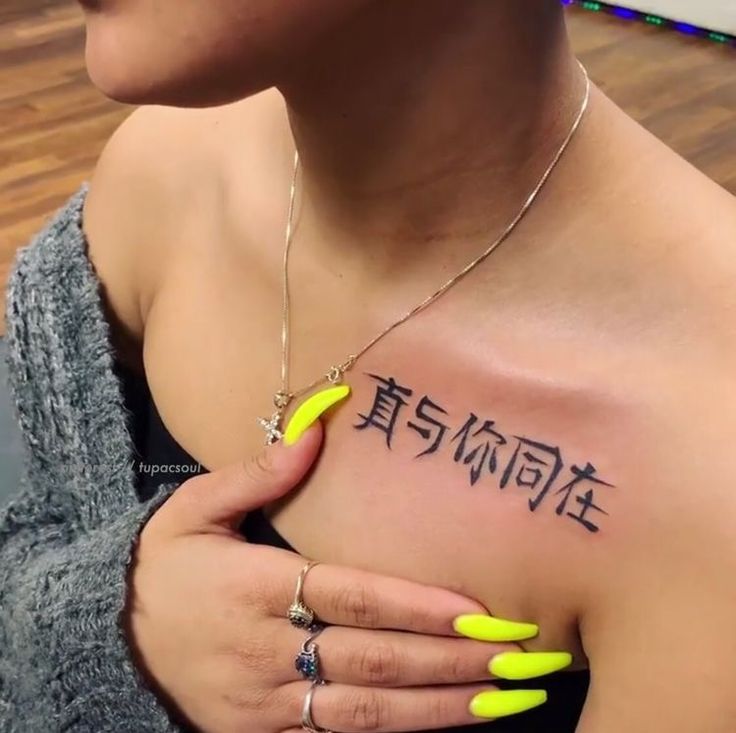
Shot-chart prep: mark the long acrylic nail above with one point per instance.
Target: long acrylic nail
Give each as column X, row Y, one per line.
column 525, row 665
column 489, row 628
column 311, row 409
column 500, row 703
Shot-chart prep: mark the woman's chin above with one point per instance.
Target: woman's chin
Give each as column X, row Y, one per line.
column 118, row 87
column 112, row 72
column 126, row 78
column 123, row 82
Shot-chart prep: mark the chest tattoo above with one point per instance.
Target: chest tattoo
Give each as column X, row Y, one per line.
column 531, row 469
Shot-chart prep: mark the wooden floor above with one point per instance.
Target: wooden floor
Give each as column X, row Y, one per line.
column 53, row 123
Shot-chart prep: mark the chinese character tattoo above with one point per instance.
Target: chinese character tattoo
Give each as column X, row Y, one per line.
column 482, row 454
column 528, row 464
column 387, row 403
column 431, row 424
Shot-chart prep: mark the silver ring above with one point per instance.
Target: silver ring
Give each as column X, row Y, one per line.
column 307, row 661
column 307, row 721
column 301, row 615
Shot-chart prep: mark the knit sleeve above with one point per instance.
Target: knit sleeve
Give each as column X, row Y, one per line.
column 65, row 663
column 68, row 536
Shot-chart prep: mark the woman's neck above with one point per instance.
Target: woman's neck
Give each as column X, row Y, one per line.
column 424, row 122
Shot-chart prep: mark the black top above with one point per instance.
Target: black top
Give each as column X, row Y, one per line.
column 162, row 460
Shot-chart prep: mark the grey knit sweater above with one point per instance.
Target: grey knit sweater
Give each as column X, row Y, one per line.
column 67, row 537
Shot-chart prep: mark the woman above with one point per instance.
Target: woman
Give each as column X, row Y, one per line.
column 526, row 440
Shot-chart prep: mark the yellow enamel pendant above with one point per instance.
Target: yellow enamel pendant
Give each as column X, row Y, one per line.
column 304, row 415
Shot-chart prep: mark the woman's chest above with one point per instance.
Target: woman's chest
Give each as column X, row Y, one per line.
column 465, row 456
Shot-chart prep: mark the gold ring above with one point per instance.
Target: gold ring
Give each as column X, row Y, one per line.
column 300, row 614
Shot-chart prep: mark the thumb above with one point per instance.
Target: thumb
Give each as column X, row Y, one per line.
column 223, row 498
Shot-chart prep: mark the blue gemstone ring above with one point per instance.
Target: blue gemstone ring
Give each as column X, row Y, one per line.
column 307, row 661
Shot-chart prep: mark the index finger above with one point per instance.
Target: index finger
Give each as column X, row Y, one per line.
column 359, row 598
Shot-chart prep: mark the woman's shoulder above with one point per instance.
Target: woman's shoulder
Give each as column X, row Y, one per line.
column 659, row 236
column 159, row 178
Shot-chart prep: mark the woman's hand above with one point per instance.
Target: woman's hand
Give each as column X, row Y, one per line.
column 207, row 620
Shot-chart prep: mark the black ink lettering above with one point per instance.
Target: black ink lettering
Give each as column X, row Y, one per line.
column 422, row 413
column 534, row 466
column 587, row 500
column 529, row 473
column 481, row 455
column 387, row 403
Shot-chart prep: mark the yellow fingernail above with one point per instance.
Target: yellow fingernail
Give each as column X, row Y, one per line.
column 311, row 409
column 499, row 703
column 524, row 665
column 489, row 628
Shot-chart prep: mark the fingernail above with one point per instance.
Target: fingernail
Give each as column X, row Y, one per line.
column 489, row 628
column 524, row 665
column 311, row 409
column 499, row 703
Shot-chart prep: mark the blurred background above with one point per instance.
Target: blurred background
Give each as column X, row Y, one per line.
column 669, row 63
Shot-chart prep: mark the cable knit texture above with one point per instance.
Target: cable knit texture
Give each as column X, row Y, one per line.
column 67, row 538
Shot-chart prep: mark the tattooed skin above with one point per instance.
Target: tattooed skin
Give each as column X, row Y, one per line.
column 489, row 454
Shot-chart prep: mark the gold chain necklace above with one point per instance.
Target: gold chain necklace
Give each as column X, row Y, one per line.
column 283, row 398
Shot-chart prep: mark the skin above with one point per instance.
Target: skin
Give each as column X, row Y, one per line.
column 604, row 325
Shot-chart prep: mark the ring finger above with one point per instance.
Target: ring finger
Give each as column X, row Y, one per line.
column 398, row 659
column 392, row 658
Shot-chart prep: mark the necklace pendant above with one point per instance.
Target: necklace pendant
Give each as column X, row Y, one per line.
column 272, row 425
column 335, row 374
